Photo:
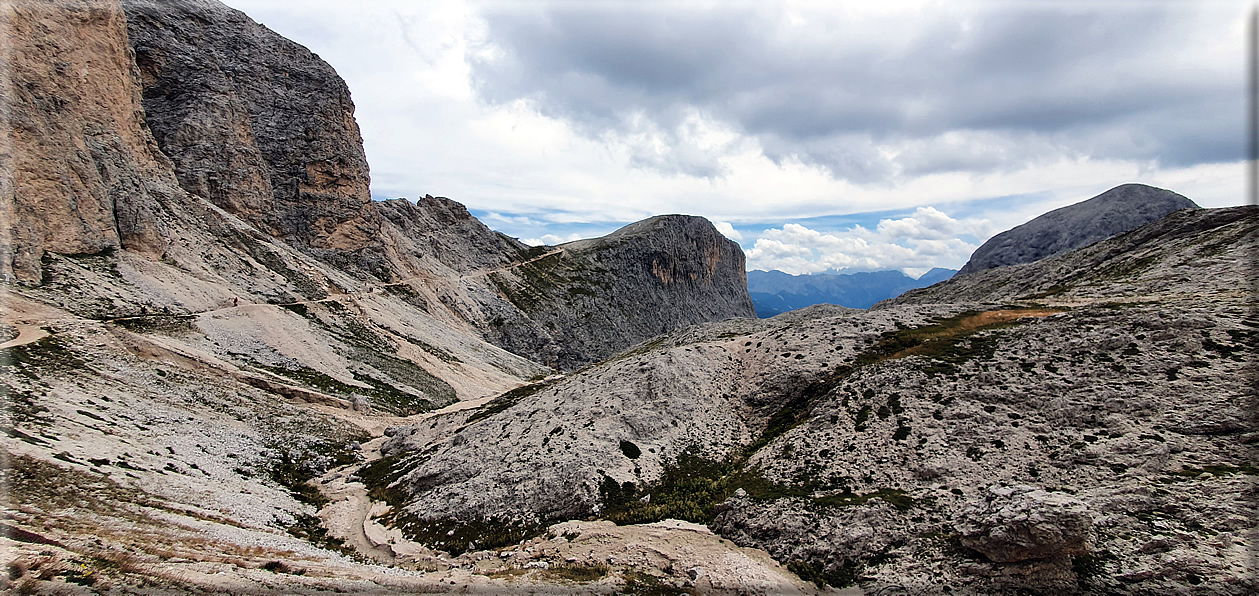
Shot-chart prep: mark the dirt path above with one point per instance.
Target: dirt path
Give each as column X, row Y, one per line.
column 349, row 513
column 26, row 334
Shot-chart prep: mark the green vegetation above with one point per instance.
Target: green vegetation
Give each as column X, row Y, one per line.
column 507, row 400
column 575, row 572
column 383, row 395
column 457, row 537
column 382, row 477
column 311, row 529
column 296, row 463
column 169, row 324
column 269, row 258
column 377, row 352
column 949, row 341
column 692, row 486
column 644, row 584
column 48, row 355
column 840, row 576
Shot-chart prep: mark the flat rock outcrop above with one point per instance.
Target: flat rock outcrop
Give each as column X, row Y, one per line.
column 1115, row 211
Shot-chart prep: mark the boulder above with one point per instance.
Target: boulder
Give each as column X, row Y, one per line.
column 1021, row 523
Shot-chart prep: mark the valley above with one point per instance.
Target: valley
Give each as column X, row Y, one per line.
column 227, row 369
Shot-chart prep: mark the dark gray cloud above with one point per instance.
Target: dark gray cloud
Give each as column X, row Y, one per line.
column 1036, row 82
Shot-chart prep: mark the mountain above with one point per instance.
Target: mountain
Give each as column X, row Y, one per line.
column 1115, row 211
column 969, row 435
column 205, row 312
column 775, row 292
column 287, row 388
column 216, row 84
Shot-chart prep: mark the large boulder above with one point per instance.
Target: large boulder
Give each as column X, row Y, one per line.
column 1021, row 523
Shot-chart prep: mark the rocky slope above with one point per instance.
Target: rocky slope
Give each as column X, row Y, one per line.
column 1115, row 211
column 1095, row 438
column 198, row 399
column 190, row 342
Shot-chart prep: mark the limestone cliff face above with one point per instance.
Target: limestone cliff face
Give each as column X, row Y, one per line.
column 254, row 122
column 79, row 172
column 263, row 129
column 1113, row 212
column 593, row 298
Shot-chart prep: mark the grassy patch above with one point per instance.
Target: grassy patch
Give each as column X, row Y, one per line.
column 168, row 324
column 48, row 355
column 382, row 479
column 507, row 400
column 294, row 465
column 575, row 573
column 312, row 530
column 637, row 582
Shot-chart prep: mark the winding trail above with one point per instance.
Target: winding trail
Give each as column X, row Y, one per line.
column 350, row 511
column 26, row 334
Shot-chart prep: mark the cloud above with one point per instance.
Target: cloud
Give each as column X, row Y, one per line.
column 551, row 239
column 728, row 230
column 580, row 117
column 873, row 96
column 928, row 238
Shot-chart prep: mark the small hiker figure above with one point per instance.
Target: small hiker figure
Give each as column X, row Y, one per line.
column 235, row 300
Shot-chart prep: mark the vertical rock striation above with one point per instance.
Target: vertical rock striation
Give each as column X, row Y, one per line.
column 254, row 122
column 79, row 172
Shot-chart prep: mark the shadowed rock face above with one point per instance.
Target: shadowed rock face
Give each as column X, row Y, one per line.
column 254, row 122
column 82, row 174
column 1115, row 211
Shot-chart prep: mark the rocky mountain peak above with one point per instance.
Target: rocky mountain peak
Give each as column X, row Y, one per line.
column 1115, row 211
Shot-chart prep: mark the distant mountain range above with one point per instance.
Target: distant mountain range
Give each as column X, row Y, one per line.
column 775, row 292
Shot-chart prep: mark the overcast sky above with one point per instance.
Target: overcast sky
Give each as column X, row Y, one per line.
column 819, row 135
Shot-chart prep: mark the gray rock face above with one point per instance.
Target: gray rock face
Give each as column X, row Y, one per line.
column 1115, row 211
column 1183, row 253
column 1018, row 523
column 254, row 122
column 597, row 297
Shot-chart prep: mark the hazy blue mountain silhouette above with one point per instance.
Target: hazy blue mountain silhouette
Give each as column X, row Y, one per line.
column 775, row 292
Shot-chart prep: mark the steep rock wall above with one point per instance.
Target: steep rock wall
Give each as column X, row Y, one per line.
column 79, row 172
column 254, row 122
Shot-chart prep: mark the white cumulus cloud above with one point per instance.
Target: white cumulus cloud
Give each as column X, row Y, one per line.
column 728, row 230
column 928, row 238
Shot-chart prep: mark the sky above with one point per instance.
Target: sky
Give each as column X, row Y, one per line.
column 818, row 135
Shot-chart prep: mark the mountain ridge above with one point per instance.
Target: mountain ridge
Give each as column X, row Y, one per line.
column 775, row 292
column 1117, row 210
